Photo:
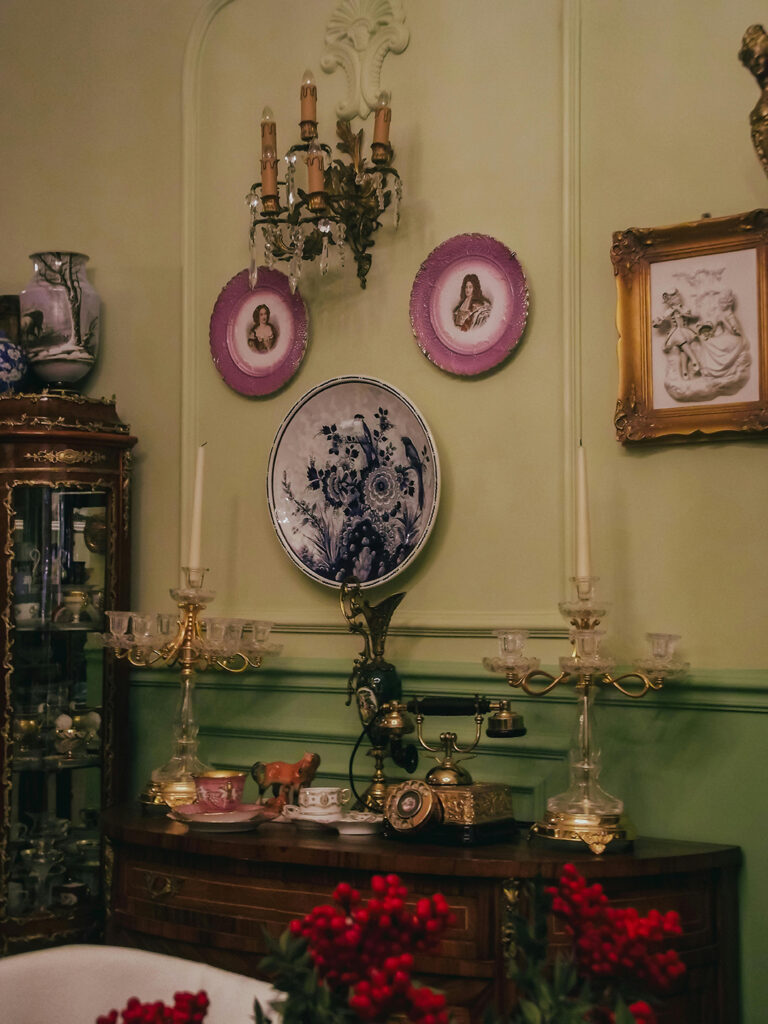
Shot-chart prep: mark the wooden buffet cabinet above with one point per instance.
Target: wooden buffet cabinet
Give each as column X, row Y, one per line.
column 209, row 897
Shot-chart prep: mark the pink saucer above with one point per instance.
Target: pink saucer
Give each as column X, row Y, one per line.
column 242, row 819
column 196, row 809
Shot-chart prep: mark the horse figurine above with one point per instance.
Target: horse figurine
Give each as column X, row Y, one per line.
column 285, row 779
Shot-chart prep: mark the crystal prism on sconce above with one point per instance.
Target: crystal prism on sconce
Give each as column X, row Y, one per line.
column 585, row 812
column 321, row 203
column 195, row 643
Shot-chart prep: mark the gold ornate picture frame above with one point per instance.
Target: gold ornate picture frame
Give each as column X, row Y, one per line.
column 692, row 317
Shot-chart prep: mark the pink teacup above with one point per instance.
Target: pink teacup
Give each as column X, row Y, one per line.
column 219, row 790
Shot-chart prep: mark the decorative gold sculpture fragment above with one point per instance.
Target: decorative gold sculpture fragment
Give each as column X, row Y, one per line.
column 754, row 56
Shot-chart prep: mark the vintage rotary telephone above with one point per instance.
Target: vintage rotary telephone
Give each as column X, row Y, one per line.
column 448, row 806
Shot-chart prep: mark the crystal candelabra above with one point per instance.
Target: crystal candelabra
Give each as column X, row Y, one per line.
column 585, row 812
column 193, row 643
column 339, row 205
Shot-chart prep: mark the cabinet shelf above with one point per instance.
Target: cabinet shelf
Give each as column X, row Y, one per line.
column 55, row 763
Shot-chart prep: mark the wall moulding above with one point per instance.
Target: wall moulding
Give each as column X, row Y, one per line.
column 733, row 691
column 359, row 35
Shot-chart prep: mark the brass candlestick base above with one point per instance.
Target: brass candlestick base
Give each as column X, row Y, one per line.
column 597, row 831
column 152, row 800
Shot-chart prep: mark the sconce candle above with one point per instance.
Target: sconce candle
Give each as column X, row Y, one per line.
column 268, row 174
column 268, row 132
column 583, row 548
column 308, row 94
column 197, row 512
column 382, row 121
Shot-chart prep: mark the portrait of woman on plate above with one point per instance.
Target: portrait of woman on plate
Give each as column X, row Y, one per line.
column 474, row 308
column 262, row 336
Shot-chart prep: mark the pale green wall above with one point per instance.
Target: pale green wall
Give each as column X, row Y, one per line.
column 115, row 146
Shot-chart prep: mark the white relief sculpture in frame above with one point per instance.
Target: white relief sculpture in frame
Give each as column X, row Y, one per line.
column 692, row 315
column 359, row 35
column 705, row 329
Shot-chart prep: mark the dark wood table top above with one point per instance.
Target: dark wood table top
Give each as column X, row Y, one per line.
column 280, row 843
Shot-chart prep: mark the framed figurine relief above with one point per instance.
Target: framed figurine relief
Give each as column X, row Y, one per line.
column 692, row 317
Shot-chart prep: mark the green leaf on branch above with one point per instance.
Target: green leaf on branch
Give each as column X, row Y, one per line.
column 531, row 1013
column 622, row 1014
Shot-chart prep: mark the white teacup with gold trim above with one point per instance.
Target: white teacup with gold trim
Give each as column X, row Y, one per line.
column 323, row 801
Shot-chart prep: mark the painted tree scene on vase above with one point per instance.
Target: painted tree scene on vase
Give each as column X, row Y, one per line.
column 60, row 314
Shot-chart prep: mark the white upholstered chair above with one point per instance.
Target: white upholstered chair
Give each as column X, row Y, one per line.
column 75, row 984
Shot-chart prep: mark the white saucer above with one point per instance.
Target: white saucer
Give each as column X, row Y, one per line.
column 350, row 823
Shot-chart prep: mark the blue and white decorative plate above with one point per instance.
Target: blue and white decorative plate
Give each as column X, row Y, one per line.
column 353, row 482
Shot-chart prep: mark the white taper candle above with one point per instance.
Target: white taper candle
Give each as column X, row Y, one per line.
column 583, row 547
column 197, row 512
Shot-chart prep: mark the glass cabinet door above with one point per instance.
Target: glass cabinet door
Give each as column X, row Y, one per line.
column 58, row 586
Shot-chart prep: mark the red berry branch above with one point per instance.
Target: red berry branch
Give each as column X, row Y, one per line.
column 364, row 949
column 616, row 942
column 187, row 1009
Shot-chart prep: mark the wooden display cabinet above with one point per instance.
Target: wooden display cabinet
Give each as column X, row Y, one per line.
column 64, row 534
column 209, row 897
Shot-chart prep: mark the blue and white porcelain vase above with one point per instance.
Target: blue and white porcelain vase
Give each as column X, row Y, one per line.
column 60, row 313
column 13, row 364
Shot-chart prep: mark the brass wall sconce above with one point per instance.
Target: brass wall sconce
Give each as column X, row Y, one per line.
column 338, row 202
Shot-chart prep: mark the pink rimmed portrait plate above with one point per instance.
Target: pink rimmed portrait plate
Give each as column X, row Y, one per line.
column 469, row 304
column 258, row 335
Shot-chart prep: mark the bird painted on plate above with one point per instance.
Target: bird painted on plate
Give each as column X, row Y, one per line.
column 416, row 465
column 358, row 432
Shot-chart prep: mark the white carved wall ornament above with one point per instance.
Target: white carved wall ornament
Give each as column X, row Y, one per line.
column 358, row 37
